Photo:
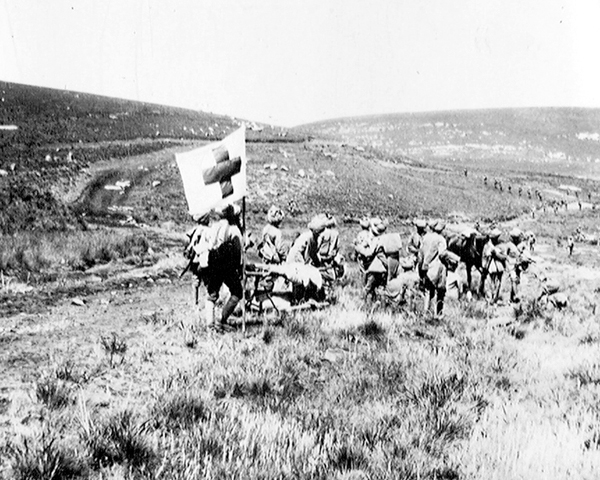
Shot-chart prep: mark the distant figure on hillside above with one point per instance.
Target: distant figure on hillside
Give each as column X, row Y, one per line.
column 485, row 180
column 530, row 240
column 570, row 244
column 466, row 172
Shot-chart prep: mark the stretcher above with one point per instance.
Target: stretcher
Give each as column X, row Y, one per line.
column 275, row 288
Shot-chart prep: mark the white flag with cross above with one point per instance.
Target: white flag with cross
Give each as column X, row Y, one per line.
column 214, row 175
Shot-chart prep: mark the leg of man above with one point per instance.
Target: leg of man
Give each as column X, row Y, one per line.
column 213, row 287
column 371, row 285
column 426, row 300
column 439, row 307
column 514, row 287
column 484, row 276
column 497, row 283
column 233, row 281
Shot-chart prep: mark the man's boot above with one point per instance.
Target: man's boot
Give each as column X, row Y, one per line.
column 228, row 309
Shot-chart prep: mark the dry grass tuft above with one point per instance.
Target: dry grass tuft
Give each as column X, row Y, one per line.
column 43, row 458
column 53, row 393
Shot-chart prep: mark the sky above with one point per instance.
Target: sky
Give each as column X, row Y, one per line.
column 288, row 62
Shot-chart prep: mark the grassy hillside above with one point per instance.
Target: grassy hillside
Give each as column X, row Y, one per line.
column 55, row 134
column 555, row 140
column 69, row 147
column 108, row 372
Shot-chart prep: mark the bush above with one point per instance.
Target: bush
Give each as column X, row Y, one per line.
column 530, row 311
column 43, row 458
column 120, row 440
column 113, row 346
column 178, row 411
column 53, row 393
column 35, row 252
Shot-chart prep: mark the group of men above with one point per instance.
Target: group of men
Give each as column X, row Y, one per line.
column 429, row 264
column 215, row 254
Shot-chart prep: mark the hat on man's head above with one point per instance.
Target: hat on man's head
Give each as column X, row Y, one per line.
column 419, row 223
column 229, row 211
column 201, row 218
column 377, row 226
column 516, row 233
column 275, row 215
column 438, row 226
column 318, row 223
column 331, row 222
column 495, row 233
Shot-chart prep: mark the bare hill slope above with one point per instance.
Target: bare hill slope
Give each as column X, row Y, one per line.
column 554, row 140
column 49, row 137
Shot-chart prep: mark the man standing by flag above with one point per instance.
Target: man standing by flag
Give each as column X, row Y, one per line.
column 214, row 176
column 224, row 265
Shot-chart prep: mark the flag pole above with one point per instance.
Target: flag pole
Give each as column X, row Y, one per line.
column 244, row 265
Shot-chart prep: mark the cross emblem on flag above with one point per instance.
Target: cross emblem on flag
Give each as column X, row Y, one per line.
column 215, row 174
column 223, row 170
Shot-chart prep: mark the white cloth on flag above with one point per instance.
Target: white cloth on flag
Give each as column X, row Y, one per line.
column 214, row 175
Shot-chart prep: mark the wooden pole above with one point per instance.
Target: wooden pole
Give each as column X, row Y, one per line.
column 244, row 265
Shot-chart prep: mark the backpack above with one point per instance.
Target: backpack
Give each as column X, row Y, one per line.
column 198, row 248
column 391, row 243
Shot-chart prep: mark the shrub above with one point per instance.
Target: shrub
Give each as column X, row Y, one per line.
column 296, row 328
column 529, row 311
column 68, row 372
column 53, row 393
column 588, row 374
column 120, row 440
column 114, row 345
column 43, row 458
column 267, row 335
column 372, row 330
column 477, row 310
column 34, row 252
column 180, row 410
